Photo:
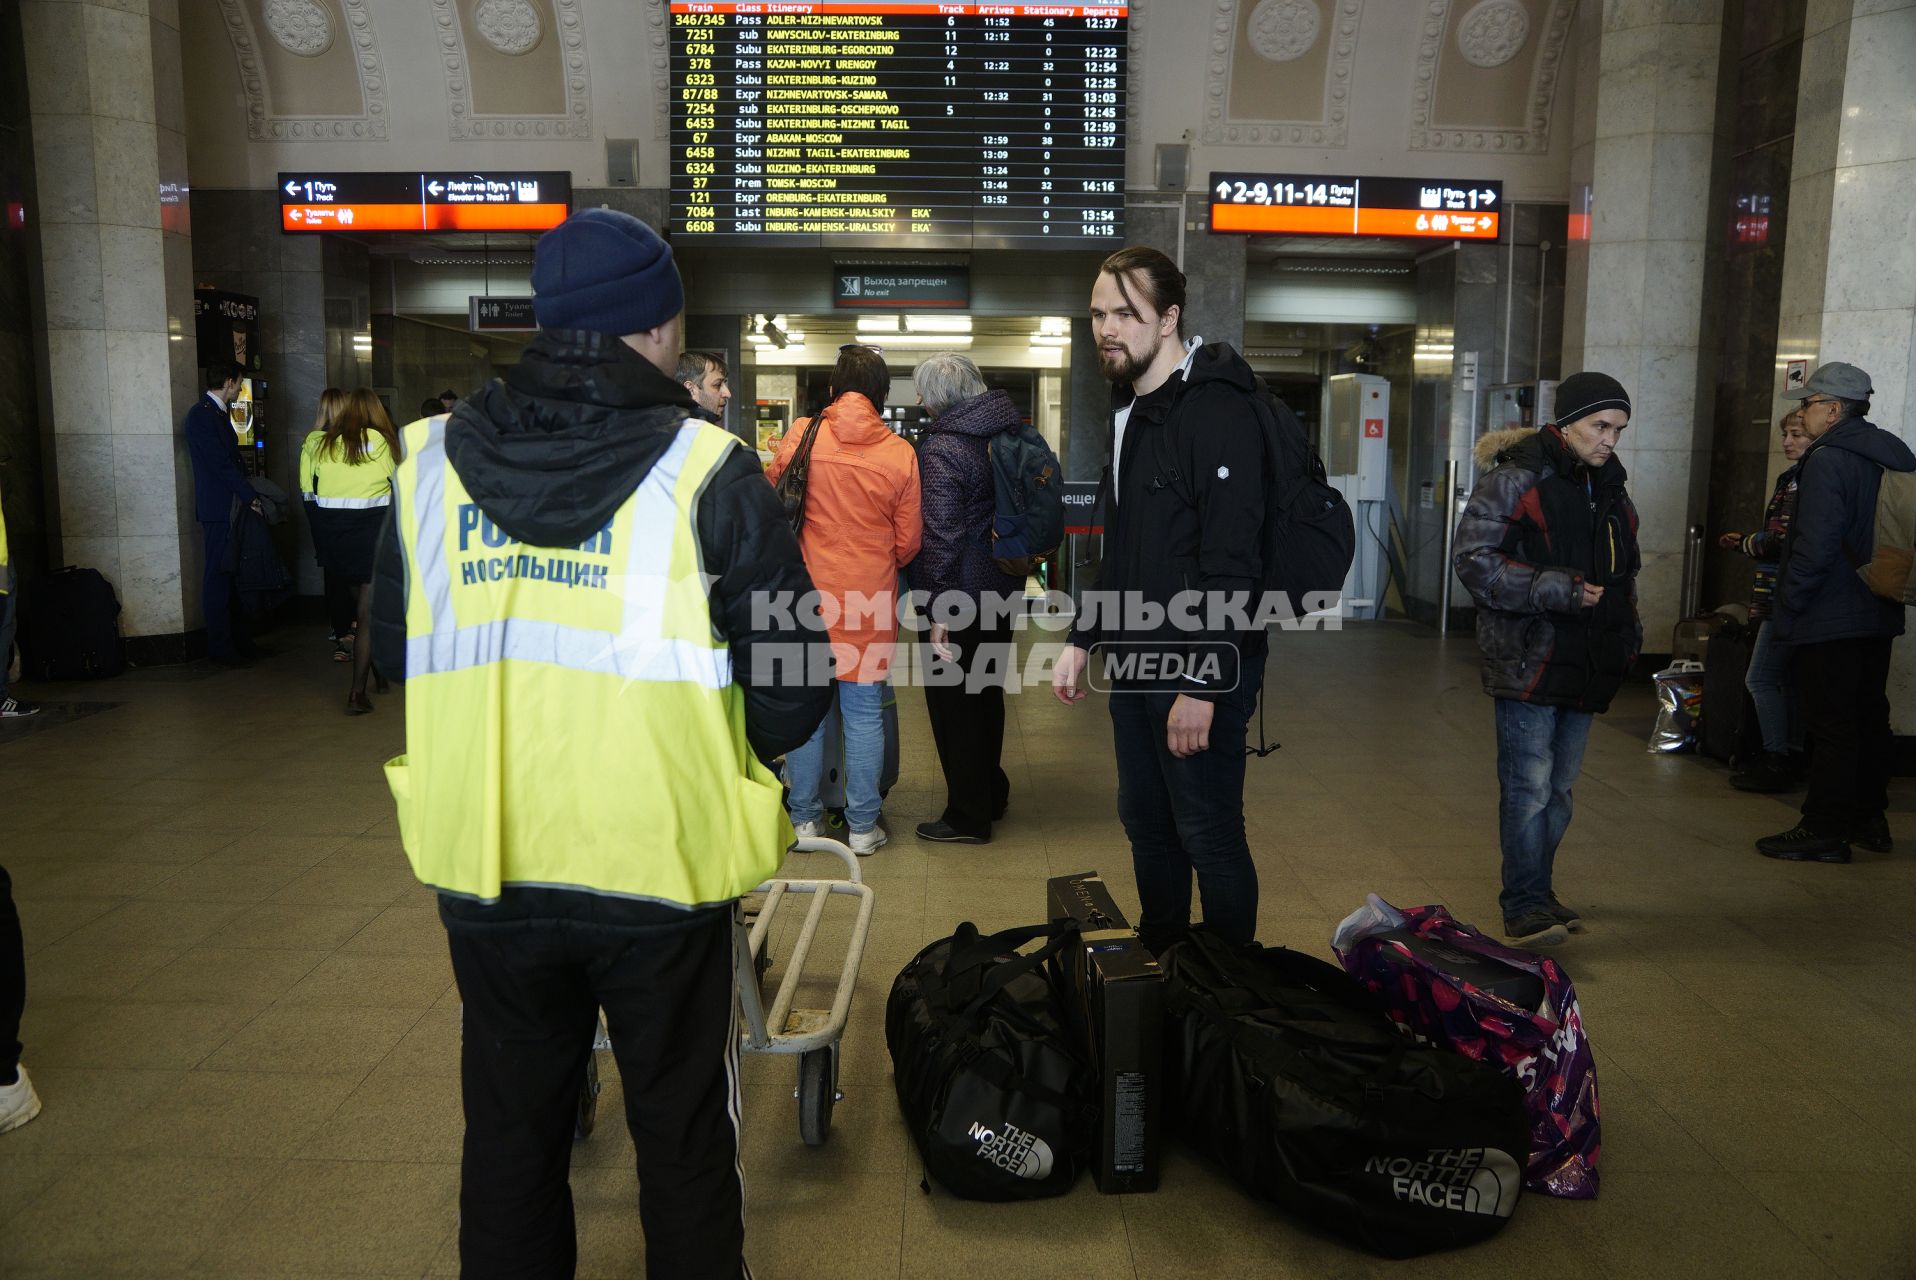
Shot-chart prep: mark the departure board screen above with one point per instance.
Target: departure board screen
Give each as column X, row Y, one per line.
column 882, row 123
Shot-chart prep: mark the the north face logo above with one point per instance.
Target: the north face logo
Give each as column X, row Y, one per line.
column 1022, row 1154
column 1468, row 1180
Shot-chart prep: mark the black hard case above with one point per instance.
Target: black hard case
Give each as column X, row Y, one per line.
column 1116, row 993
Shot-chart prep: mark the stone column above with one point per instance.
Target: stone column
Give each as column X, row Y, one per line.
column 1849, row 276
column 1635, row 299
column 110, row 156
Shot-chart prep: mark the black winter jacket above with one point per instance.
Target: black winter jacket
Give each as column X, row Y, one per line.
column 1189, row 517
column 1538, row 526
column 1819, row 595
column 960, row 497
column 550, row 452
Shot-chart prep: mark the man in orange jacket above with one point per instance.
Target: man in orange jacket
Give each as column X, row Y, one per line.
column 861, row 526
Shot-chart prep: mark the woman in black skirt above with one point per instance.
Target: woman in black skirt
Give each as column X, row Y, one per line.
column 353, row 466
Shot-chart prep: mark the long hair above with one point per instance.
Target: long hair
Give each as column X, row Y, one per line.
column 350, row 435
column 332, row 403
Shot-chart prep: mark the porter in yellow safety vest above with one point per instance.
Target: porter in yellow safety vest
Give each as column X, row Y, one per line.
column 571, row 717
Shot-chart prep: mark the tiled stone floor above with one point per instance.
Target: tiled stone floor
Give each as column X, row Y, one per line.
column 244, row 1026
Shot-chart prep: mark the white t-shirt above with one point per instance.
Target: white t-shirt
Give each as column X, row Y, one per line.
column 1123, row 416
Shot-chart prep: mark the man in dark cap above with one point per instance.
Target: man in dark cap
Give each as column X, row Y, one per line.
column 1548, row 548
column 566, row 583
column 1839, row 630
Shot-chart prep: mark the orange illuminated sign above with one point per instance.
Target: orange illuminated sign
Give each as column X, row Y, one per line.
column 492, row 201
column 1320, row 205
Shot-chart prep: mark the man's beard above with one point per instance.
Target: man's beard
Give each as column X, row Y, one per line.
column 1125, row 369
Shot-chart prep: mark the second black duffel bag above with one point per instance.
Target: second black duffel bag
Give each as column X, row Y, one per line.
column 1285, row 1072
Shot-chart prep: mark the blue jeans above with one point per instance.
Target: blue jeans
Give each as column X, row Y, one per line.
column 1187, row 816
column 1773, row 688
column 1539, row 751
column 861, row 712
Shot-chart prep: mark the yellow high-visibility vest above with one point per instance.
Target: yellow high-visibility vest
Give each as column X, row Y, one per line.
column 4, row 562
column 307, row 448
column 350, row 486
column 571, row 717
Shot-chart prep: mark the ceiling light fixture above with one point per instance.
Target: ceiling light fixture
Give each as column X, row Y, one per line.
column 938, row 324
column 1050, row 340
column 878, row 324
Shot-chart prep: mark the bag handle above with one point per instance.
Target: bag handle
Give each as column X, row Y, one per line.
column 972, row 952
column 795, row 479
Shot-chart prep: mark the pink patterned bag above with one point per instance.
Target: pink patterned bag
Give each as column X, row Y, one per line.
column 1452, row 986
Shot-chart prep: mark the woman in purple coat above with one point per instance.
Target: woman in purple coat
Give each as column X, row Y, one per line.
column 964, row 691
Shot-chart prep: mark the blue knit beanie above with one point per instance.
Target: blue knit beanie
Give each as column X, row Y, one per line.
column 606, row 271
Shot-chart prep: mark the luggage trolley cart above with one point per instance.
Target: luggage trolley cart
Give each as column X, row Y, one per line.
column 812, row 1035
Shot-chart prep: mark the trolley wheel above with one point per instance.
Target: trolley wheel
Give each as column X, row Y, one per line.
column 588, row 1114
column 817, row 1091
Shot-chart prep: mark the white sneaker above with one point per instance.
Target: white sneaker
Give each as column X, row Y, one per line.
column 814, row 830
column 866, row 843
column 18, row 1102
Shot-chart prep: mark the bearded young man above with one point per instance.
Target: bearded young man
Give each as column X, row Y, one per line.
column 1184, row 504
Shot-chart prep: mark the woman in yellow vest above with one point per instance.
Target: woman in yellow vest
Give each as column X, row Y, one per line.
column 341, row 612
column 352, row 473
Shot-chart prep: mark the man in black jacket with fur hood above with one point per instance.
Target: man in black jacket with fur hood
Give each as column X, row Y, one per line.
column 1548, row 549
column 551, row 454
column 1184, row 520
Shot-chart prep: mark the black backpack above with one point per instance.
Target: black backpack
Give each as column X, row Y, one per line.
column 995, row 1090
column 1309, row 537
column 1283, row 1070
column 1027, row 520
column 70, row 628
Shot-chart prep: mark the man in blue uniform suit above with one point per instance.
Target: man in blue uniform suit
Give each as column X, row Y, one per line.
column 218, row 481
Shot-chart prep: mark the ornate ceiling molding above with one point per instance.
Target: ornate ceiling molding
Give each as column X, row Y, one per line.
column 1283, row 30
column 660, row 40
column 1485, row 40
column 467, row 125
column 296, row 32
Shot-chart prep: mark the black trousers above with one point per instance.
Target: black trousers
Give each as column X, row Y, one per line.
column 968, row 724
column 13, row 980
column 1842, row 688
column 532, row 992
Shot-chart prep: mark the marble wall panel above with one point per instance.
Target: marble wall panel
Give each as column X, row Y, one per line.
column 54, row 35
column 70, row 266
column 121, row 44
column 1877, row 342
column 166, row 13
column 102, row 553
column 1819, row 99
column 1614, row 311
column 1626, row 91
column 143, row 486
column 1871, row 262
column 133, row 278
column 1686, row 83
column 76, row 372
column 152, row 601
column 89, row 507
column 1620, row 196
column 1622, row 15
column 169, row 97
column 1672, row 291
column 1660, row 597
column 126, row 166
column 1679, row 185
column 63, row 169
column 139, row 377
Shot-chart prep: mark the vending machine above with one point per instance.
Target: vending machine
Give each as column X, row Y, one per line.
column 1357, row 455
column 226, row 326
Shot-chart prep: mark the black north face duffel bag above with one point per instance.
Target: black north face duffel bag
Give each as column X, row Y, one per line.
column 1282, row 1069
column 994, row 1089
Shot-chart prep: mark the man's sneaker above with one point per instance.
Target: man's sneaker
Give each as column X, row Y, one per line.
column 14, row 709
column 1536, row 929
column 813, row 830
column 1566, row 916
column 1800, row 844
column 866, row 843
column 1875, row 837
column 18, row 1102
